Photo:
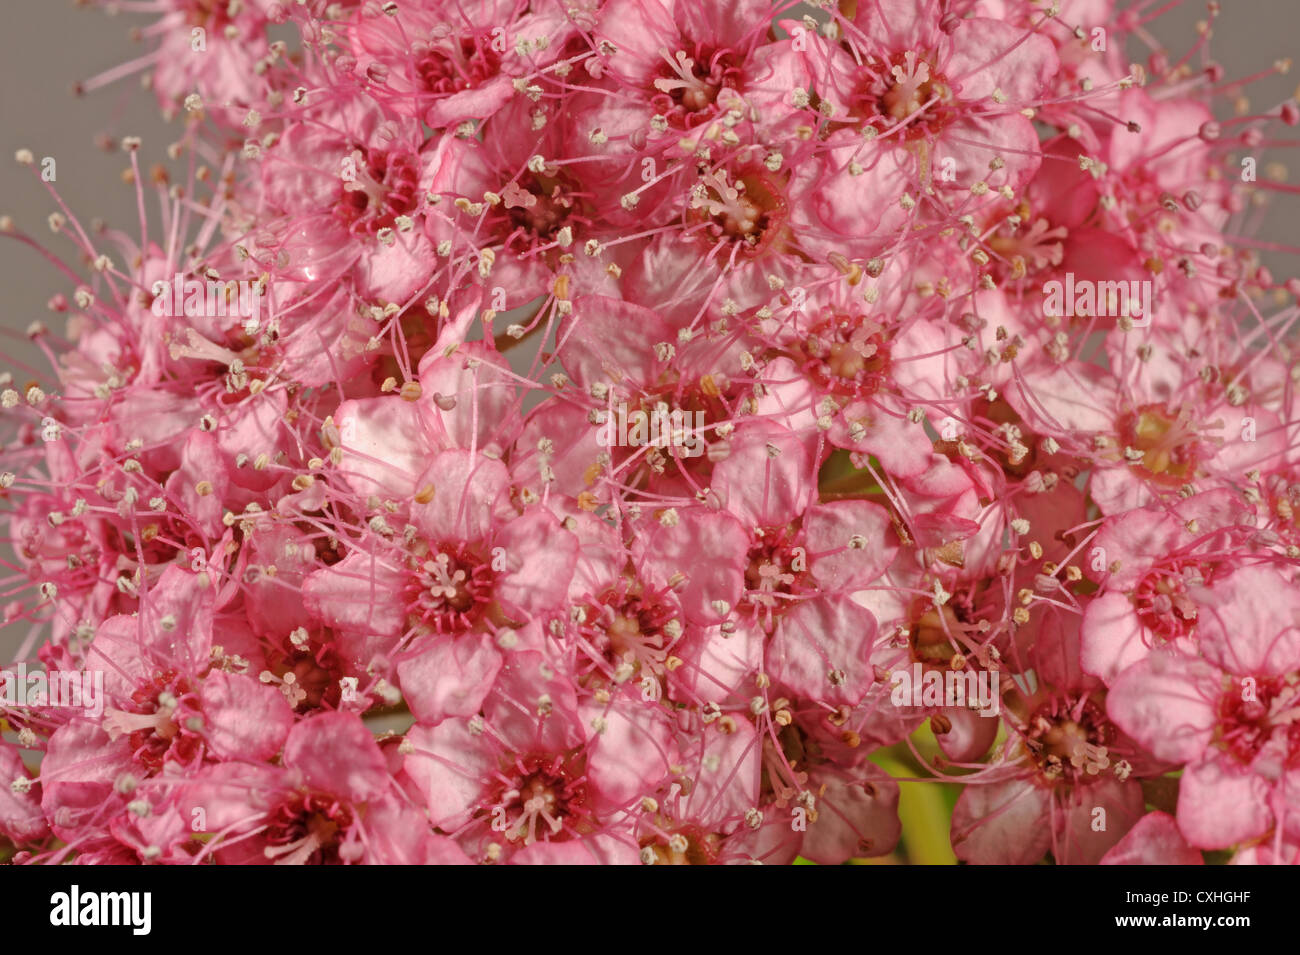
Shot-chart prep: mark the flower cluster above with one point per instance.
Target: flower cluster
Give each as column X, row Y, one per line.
column 557, row 431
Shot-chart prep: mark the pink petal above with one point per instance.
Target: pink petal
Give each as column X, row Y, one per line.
column 244, row 719
column 336, row 754
column 1155, row 840
column 449, row 677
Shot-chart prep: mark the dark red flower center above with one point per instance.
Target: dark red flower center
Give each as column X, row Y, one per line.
column 543, row 798
column 1256, row 711
column 629, row 631
column 1162, row 601
column 376, row 188
column 307, row 829
column 157, row 723
column 460, row 64
column 448, row 587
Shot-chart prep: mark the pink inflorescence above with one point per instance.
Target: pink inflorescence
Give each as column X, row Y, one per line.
column 591, row 430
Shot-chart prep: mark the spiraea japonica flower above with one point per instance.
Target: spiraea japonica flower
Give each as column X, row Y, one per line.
column 649, row 431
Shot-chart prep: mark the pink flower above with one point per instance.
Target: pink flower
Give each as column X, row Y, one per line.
column 542, row 432
column 471, row 561
column 1154, row 564
column 331, row 801
column 449, row 63
column 916, row 106
column 538, row 768
column 1226, row 714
